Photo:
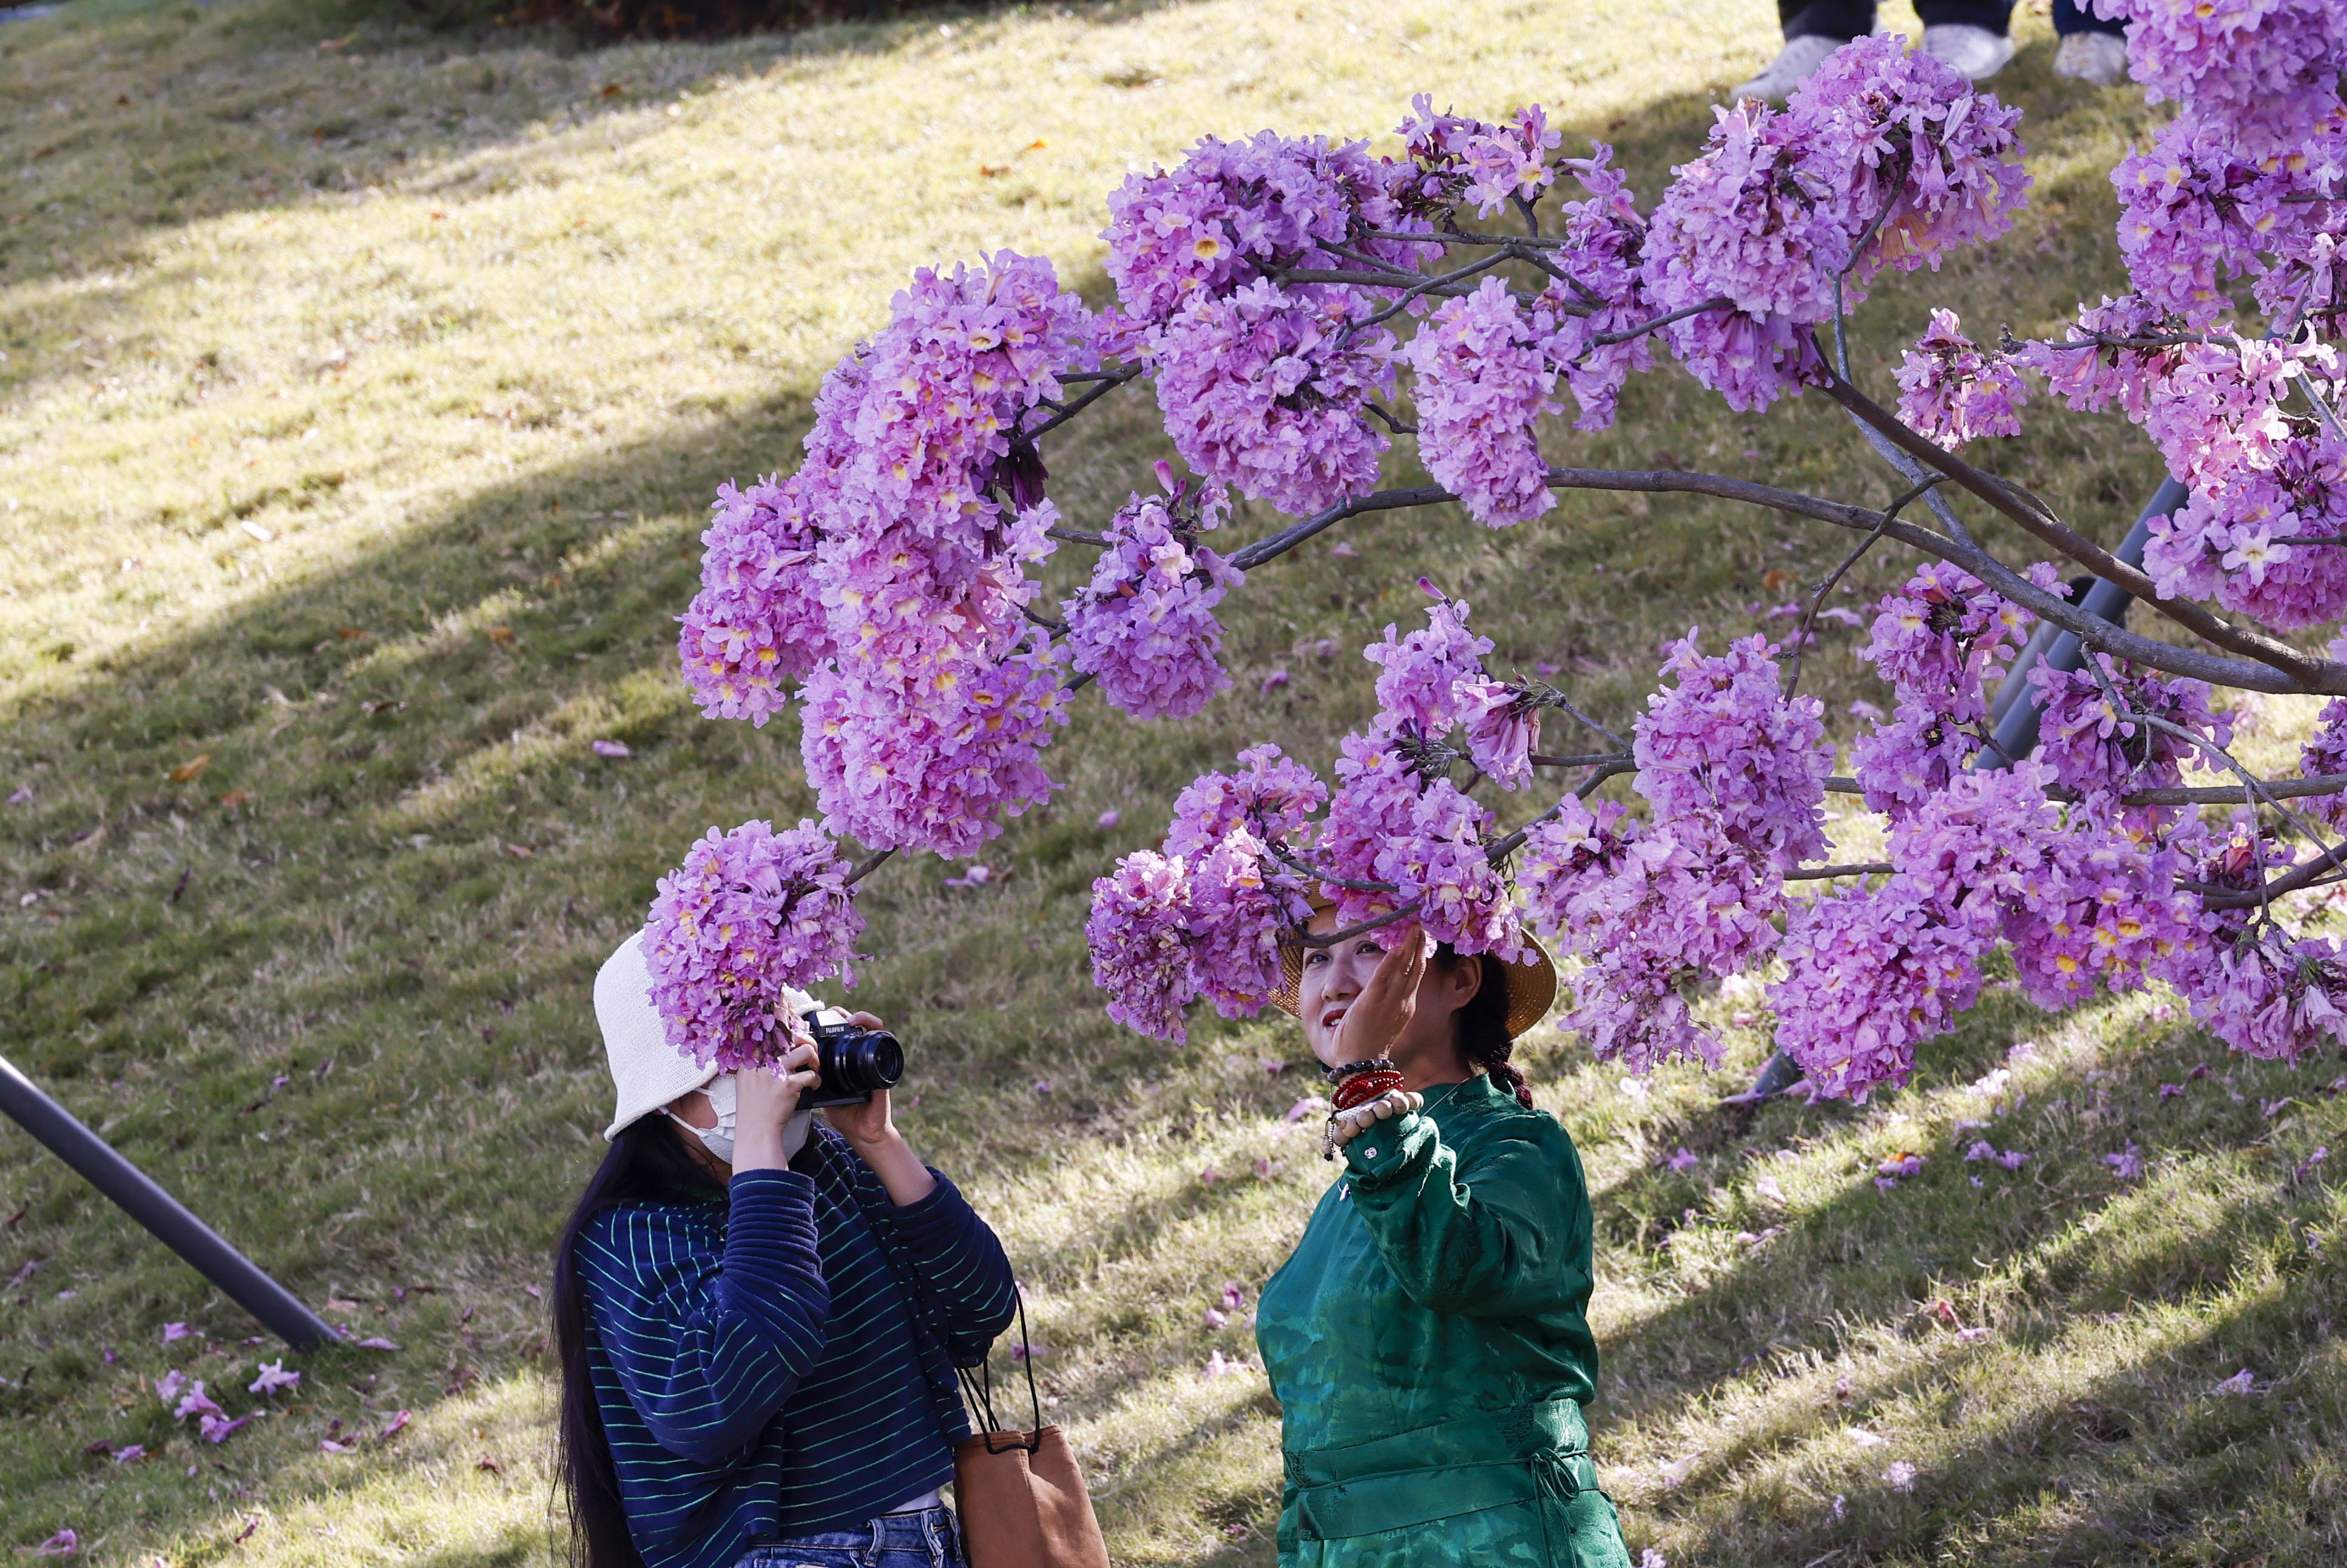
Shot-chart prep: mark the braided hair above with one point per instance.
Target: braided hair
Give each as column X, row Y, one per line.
column 1482, row 1022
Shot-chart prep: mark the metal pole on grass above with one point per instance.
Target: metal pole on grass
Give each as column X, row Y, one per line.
column 2012, row 713
column 135, row 1193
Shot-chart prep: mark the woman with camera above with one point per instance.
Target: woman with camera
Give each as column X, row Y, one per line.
column 759, row 1317
column 1428, row 1339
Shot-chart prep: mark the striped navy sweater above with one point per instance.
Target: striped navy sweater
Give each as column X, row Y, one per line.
column 755, row 1364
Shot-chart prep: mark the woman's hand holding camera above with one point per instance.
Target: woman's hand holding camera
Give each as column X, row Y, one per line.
column 767, row 1099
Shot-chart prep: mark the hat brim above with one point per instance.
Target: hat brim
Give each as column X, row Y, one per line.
column 1531, row 982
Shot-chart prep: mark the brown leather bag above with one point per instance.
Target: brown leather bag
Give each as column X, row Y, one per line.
column 1020, row 1494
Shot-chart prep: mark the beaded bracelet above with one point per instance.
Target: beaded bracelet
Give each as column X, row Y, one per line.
column 1374, row 1065
column 1329, row 1143
column 1360, row 1088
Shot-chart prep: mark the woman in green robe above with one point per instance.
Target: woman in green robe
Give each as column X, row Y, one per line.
column 1428, row 1339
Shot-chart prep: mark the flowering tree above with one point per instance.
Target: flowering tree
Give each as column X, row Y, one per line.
column 1263, row 289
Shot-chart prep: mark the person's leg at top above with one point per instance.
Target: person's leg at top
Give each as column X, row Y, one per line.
column 2093, row 48
column 1973, row 36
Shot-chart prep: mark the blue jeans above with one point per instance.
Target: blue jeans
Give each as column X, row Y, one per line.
column 930, row 1538
column 1855, row 18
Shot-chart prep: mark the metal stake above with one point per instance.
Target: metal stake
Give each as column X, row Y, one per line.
column 137, row 1195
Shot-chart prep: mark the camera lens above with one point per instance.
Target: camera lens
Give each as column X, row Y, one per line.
column 859, row 1060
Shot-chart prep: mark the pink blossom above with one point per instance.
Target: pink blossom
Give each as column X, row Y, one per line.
column 1484, row 383
column 272, row 1376
column 1724, row 747
column 1137, row 932
column 1264, row 391
column 1951, row 392
column 750, row 914
column 1146, row 625
column 757, row 620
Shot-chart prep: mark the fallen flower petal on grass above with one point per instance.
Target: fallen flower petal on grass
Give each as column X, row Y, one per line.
column 1901, row 1475
column 328, row 1446
column 2127, row 1164
column 274, row 1377
column 131, row 1454
column 216, row 1429
column 396, row 1425
column 63, row 1543
column 2241, row 1382
column 1303, row 1107
column 168, row 1385
column 610, row 748
column 1682, row 1159
column 374, row 1342
column 174, row 1332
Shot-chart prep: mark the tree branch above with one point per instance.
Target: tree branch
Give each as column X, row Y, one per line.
column 2035, row 515
column 1273, row 546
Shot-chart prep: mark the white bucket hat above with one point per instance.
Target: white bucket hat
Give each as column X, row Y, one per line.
column 646, row 1072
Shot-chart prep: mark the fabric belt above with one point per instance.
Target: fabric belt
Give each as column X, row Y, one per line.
column 1488, row 1459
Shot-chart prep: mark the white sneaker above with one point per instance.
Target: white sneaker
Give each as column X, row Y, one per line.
column 1794, row 65
column 1974, row 53
column 2096, row 58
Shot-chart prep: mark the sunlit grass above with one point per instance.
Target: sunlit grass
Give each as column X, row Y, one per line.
column 358, row 408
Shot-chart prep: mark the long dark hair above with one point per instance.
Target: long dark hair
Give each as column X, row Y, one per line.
column 1482, row 1022
column 647, row 1164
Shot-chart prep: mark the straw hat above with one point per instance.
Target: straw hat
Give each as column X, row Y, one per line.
column 1531, row 984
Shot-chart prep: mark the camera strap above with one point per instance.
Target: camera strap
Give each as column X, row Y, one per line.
column 925, row 1312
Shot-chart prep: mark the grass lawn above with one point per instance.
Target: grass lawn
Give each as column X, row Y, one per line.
column 362, row 393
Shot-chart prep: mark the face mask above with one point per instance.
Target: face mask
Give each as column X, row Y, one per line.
column 717, row 1140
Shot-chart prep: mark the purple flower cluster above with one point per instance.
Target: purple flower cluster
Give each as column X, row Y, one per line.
column 921, row 728
column 1601, row 240
column 2268, row 70
column 1433, row 681
column 2093, row 379
column 1882, row 157
column 1489, row 165
column 1723, row 746
column 1140, row 956
column 1939, row 640
column 1271, row 796
column 2270, row 995
column 1898, row 132
column 1235, row 208
column 2101, row 751
column 938, row 774
column 1264, row 390
column 1951, row 392
column 749, row 914
column 1652, row 912
column 2325, row 757
column 1484, row 381
column 756, row 621
column 1206, row 917
column 1872, row 976
column 1146, row 625
column 1749, row 221
column 2229, row 541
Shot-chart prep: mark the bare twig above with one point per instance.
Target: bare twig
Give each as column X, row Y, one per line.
column 867, row 866
column 1273, row 546
column 1109, row 382
column 1825, row 872
column 1801, row 636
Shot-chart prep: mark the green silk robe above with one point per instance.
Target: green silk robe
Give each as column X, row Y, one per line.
column 1429, row 1343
